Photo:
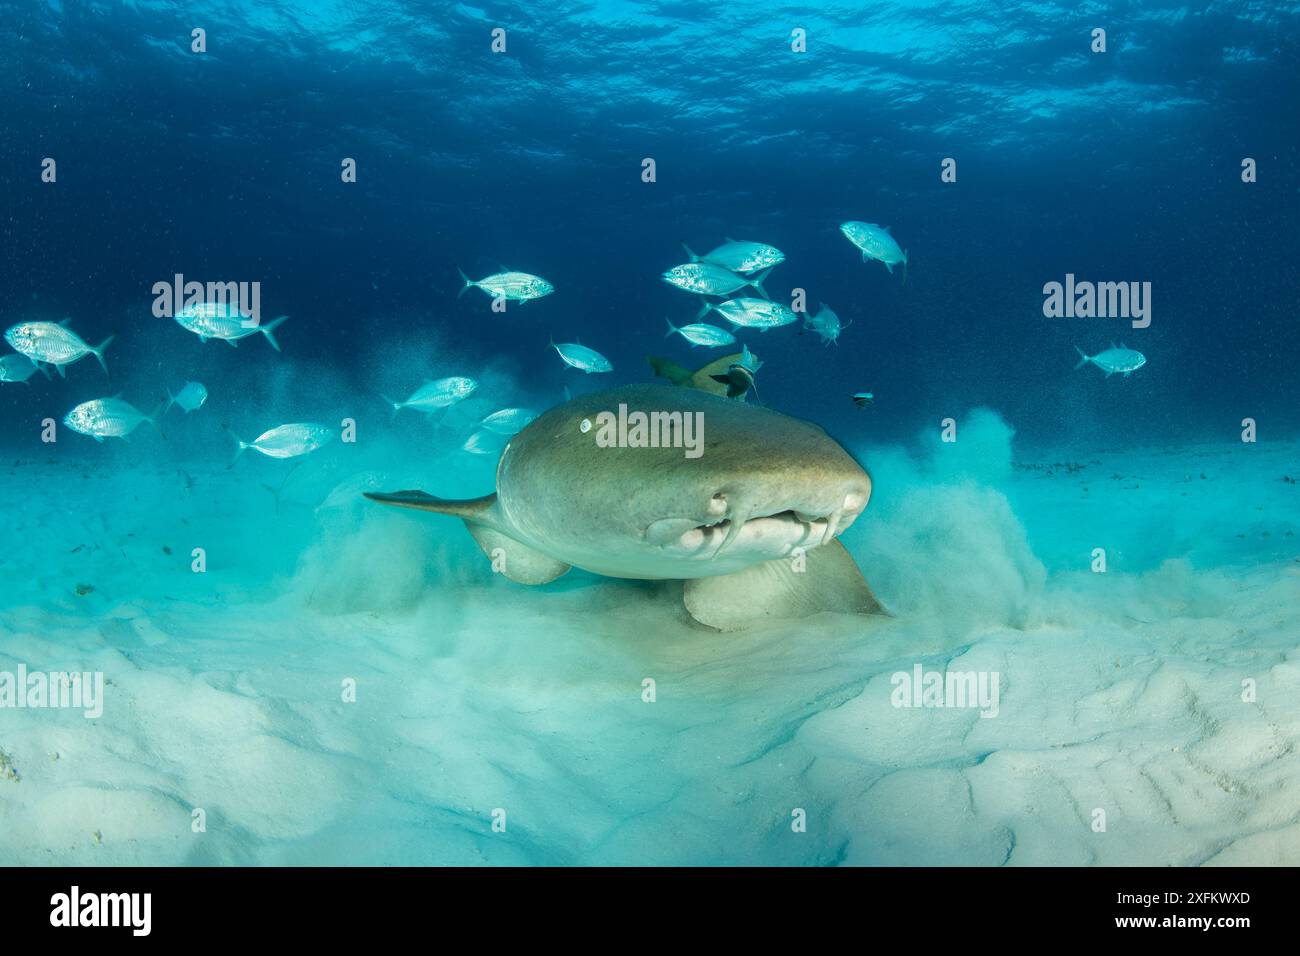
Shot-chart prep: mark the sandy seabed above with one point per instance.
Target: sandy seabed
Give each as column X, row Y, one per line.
column 1146, row 715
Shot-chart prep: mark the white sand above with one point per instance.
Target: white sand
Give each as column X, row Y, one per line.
column 1119, row 691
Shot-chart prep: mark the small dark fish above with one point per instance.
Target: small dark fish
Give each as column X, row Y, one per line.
column 739, row 380
column 863, row 399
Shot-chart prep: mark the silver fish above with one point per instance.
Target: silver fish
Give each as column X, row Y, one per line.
column 483, row 443
column 740, row 256
column 17, row 368
column 288, row 441
column 433, row 395
column 54, row 343
column 826, row 324
column 1117, row 358
column 703, row 278
column 223, row 320
column 875, row 242
column 578, row 356
column 507, row 421
column 348, row 492
column 758, row 314
column 701, row 334
column 191, row 396
column 103, row 418
column 513, row 286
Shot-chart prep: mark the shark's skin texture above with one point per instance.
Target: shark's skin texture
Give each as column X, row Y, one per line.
column 766, row 489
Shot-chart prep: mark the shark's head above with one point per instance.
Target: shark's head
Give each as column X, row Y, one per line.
column 660, row 482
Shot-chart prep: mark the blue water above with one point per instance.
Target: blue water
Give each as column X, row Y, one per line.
column 1120, row 166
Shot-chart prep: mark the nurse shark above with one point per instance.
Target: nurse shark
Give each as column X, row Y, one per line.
column 749, row 525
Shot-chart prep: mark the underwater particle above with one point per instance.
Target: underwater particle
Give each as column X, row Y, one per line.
column 84, row 589
column 863, row 399
column 166, row 550
column 7, row 769
column 99, row 837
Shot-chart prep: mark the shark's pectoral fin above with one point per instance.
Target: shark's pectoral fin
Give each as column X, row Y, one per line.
column 823, row 579
column 518, row 562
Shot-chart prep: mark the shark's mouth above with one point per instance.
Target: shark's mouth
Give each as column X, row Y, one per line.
column 772, row 535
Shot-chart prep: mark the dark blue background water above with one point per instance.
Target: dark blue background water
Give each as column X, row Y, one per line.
column 1120, row 166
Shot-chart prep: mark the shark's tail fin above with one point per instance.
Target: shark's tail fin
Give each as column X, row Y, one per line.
column 518, row 562
column 98, row 352
column 1084, row 358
